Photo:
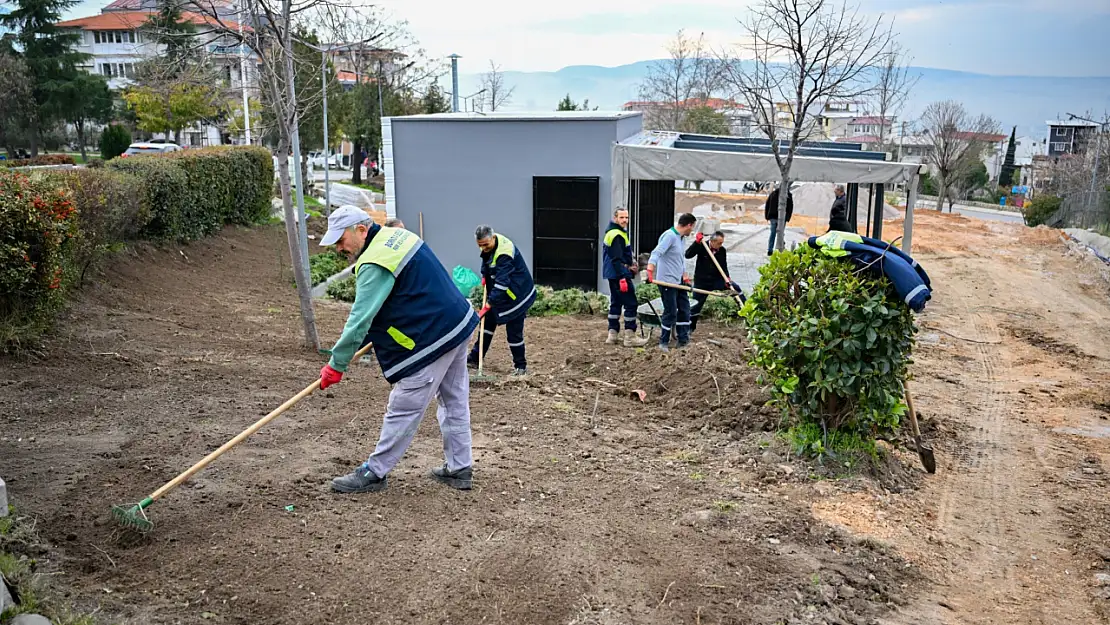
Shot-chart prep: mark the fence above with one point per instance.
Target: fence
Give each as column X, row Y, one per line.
column 1082, row 209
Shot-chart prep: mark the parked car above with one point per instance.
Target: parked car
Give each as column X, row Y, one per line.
column 150, row 148
column 317, row 159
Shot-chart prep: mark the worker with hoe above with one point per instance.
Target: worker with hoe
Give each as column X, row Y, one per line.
column 419, row 324
column 508, row 283
column 667, row 263
column 620, row 270
column 706, row 275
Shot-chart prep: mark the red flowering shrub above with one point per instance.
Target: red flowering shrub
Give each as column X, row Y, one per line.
column 44, row 159
column 38, row 227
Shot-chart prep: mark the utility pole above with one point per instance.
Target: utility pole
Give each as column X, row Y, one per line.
column 454, row 82
column 243, row 79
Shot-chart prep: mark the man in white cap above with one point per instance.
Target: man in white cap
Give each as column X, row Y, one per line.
column 406, row 303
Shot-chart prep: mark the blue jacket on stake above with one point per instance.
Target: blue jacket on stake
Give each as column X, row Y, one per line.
column 910, row 282
column 509, row 283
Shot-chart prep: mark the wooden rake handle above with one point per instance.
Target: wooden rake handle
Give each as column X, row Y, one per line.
column 683, row 287
column 242, row 436
column 482, row 331
column 728, row 281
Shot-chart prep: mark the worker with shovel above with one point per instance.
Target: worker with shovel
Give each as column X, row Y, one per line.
column 667, row 259
column 419, row 324
column 509, row 293
column 620, row 270
column 710, row 272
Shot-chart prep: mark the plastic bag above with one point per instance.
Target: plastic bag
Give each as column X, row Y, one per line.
column 465, row 280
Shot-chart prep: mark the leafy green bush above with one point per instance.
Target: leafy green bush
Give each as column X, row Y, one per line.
column 114, row 141
column 111, row 208
column 192, row 194
column 833, row 344
column 38, row 161
column 722, row 309
column 1040, row 209
column 646, row 293
column 325, row 265
column 38, row 227
column 342, row 290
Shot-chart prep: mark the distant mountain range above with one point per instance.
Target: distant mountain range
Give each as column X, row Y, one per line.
column 1022, row 101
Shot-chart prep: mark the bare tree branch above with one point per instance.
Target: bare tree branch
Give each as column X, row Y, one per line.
column 689, row 76
column 497, row 93
column 957, row 142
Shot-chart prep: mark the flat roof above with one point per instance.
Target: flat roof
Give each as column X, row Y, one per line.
column 1070, row 122
column 535, row 116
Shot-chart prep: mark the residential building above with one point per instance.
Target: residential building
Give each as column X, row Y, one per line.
column 118, row 40
column 1069, row 137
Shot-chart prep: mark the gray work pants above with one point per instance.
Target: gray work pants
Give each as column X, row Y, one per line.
column 447, row 379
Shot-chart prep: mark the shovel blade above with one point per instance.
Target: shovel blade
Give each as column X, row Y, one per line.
column 928, row 460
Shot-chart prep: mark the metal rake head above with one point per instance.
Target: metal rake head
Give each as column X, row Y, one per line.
column 132, row 517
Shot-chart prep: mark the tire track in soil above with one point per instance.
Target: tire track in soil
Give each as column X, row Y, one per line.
column 998, row 551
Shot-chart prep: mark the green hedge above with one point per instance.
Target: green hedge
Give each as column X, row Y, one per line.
column 45, row 159
column 180, row 196
column 193, row 193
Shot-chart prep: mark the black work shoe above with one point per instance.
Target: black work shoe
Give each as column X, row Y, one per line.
column 361, row 480
column 519, row 372
column 460, row 479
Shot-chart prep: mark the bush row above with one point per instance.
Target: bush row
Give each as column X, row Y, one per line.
column 55, row 223
column 45, row 159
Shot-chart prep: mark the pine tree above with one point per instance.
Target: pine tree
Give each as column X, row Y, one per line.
column 1005, row 177
column 49, row 56
column 435, row 101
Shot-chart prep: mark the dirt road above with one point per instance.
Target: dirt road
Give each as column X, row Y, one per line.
column 592, row 508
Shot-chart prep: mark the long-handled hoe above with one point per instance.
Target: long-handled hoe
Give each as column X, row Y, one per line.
column 480, row 376
column 135, row 517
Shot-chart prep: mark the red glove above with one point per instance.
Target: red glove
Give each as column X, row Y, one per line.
column 483, row 281
column 651, row 275
column 624, row 285
column 699, row 237
column 482, row 313
column 329, row 376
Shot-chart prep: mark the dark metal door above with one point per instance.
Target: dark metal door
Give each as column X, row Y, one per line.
column 565, row 231
column 651, row 204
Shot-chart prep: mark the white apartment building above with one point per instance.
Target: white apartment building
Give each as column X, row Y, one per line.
column 118, row 40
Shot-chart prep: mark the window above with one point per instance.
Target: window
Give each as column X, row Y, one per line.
column 106, row 69
column 130, row 36
column 1061, row 132
column 1059, row 147
column 96, row 36
column 227, row 73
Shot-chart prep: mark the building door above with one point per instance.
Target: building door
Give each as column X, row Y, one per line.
column 652, row 211
column 565, row 231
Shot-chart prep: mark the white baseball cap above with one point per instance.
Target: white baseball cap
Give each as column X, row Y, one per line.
column 340, row 219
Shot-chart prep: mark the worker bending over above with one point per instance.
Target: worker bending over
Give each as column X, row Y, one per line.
column 620, row 270
column 667, row 263
column 706, row 275
column 419, row 323
column 511, row 292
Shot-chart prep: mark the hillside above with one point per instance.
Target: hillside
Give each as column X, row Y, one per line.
column 1024, row 101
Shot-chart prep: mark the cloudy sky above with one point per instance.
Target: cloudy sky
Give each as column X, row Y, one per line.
column 1012, row 37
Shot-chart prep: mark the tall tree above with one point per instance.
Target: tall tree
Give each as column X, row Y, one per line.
column 803, row 53
column 17, row 109
column 1006, row 175
column 893, row 83
column 49, row 55
column 497, row 93
column 170, row 107
column 87, row 100
column 566, row 104
column 434, row 100
column 704, row 120
column 688, row 76
column 957, row 141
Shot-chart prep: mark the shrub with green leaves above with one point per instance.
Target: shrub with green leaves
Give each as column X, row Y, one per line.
column 38, row 229
column 342, row 290
column 834, row 343
column 114, row 141
column 646, row 293
column 1040, row 209
column 325, row 265
column 193, row 193
column 39, row 161
column 721, row 309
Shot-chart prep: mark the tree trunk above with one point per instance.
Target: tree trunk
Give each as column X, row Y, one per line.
column 356, row 163
column 942, row 188
column 304, row 289
column 34, row 140
column 80, row 127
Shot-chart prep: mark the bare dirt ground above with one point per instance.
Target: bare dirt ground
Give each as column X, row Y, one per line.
column 591, row 507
